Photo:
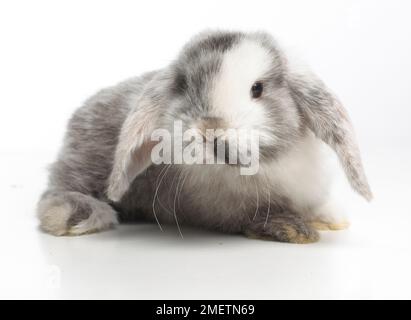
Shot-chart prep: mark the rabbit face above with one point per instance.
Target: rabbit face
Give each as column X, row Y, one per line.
column 235, row 83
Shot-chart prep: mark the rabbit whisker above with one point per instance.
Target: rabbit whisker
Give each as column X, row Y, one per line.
column 174, row 205
column 156, row 196
column 257, row 199
column 268, row 210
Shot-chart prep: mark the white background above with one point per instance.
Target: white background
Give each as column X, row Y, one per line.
column 54, row 54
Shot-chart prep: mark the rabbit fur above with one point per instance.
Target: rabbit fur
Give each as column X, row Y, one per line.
column 104, row 172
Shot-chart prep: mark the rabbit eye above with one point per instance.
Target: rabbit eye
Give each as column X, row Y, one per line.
column 257, row 90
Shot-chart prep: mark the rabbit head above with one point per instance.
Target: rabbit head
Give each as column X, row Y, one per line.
column 228, row 80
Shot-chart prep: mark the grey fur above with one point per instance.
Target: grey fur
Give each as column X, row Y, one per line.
column 328, row 119
column 106, row 148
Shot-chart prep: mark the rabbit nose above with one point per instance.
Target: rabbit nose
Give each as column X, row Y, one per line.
column 212, row 123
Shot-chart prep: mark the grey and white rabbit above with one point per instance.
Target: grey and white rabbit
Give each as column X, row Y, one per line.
column 104, row 171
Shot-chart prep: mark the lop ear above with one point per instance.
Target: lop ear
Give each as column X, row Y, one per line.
column 133, row 152
column 327, row 118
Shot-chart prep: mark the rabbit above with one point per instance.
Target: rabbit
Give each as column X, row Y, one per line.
column 105, row 171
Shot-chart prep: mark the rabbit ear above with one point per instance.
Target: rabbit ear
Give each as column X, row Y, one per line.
column 328, row 119
column 133, row 152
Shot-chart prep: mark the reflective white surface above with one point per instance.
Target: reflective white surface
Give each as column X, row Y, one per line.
column 54, row 55
column 370, row 260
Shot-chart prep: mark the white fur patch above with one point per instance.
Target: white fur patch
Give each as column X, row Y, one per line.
column 304, row 174
column 241, row 68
